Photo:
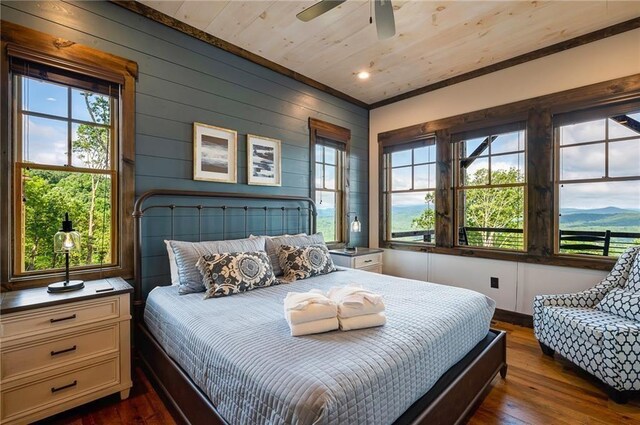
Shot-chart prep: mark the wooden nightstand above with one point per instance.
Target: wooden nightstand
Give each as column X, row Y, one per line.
column 368, row 259
column 62, row 350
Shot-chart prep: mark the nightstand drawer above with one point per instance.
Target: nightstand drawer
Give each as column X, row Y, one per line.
column 376, row 268
column 42, row 394
column 367, row 260
column 65, row 350
column 54, row 318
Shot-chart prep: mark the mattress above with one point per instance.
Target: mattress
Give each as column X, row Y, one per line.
column 239, row 352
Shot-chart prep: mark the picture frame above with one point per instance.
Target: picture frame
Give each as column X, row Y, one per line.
column 264, row 161
column 215, row 152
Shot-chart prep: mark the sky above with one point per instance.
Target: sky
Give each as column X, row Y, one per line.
column 47, row 140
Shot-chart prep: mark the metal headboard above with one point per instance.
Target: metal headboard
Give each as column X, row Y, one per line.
column 280, row 204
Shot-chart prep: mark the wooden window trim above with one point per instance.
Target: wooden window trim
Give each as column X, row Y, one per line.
column 538, row 113
column 388, row 147
column 319, row 129
column 459, row 186
column 65, row 55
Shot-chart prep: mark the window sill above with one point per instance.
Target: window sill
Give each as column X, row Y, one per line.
column 37, row 280
column 595, row 263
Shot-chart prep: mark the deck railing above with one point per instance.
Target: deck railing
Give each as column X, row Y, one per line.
column 503, row 238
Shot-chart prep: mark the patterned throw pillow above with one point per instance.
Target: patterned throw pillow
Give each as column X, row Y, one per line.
column 301, row 262
column 234, row 272
column 621, row 303
column 633, row 281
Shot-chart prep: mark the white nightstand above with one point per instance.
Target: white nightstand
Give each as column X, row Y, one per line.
column 59, row 351
column 368, row 259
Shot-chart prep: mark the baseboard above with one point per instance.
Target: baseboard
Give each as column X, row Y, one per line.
column 519, row 319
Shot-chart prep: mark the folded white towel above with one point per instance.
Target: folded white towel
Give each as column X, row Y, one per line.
column 361, row 322
column 303, row 307
column 356, row 301
column 315, row 327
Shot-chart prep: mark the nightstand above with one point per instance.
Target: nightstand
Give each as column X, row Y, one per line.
column 59, row 351
column 369, row 259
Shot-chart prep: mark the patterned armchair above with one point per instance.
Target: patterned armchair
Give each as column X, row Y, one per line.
column 598, row 329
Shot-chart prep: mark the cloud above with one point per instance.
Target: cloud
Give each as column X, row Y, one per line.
column 46, row 141
column 599, row 195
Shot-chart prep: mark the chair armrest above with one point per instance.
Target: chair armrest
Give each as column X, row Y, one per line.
column 588, row 298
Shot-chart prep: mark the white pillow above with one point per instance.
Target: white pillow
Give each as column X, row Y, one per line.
column 173, row 266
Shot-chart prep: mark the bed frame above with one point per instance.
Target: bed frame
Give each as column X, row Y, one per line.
column 450, row 401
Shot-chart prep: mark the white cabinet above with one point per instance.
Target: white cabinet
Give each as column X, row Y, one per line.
column 58, row 351
column 362, row 258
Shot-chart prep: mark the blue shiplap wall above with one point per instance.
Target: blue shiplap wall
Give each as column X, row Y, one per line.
column 183, row 80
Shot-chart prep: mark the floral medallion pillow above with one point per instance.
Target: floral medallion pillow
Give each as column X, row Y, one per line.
column 234, row 272
column 301, row 262
column 621, row 303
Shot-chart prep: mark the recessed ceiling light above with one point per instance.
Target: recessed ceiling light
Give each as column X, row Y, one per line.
column 363, row 75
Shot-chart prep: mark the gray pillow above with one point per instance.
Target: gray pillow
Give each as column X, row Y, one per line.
column 274, row 243
column 188, row 253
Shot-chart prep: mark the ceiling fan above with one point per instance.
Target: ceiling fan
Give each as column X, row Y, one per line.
column 385, row 24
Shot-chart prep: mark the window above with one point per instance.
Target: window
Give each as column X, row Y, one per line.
column 490, row 189
column 65, row 143
column 598, row 181
column 71, row 149
column 330, row 160
column 409, row 187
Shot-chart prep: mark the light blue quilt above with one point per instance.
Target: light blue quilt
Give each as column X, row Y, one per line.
column 239, row 351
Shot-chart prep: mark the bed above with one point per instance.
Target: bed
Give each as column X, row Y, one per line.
column 232, row 360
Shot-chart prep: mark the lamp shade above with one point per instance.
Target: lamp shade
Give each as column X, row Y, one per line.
column 356, row 225
column 67, row 239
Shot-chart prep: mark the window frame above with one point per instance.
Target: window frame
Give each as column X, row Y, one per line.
column 328, row 134
column 20, row 165
column 386, row 191
column 458, row 139
column 580, row 116
column 538, row 113
column 66, row 59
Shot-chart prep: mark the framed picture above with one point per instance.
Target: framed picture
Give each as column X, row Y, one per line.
column 263, row 161
column 214, row 153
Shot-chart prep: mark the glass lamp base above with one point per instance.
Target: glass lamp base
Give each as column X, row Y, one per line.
column 72, row 285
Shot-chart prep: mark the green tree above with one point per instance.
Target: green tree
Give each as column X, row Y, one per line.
column 86, row 196
column 492, row 207
column 92, row 148
column 427, row 220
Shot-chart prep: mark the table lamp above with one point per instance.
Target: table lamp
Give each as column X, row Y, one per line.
column 64, row 242
column 354, row 227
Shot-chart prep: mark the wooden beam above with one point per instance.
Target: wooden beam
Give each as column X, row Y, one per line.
column 536, row 54
column 444, row 191
column 171, row 22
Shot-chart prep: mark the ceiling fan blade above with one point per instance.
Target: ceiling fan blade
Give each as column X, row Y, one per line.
column 385, row 23
column 318, row 9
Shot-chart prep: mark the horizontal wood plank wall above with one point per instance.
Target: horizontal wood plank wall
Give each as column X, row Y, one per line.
column 182, row 80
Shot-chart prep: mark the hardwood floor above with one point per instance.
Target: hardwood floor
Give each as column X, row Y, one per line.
column 538, row 390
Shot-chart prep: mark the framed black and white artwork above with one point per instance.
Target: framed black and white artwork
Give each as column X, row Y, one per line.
column 263, row 161
column 214, row 153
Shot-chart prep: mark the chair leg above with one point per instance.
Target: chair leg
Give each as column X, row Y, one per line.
column 546, row 350
column 619, row 397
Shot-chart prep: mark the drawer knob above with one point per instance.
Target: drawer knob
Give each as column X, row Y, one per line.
column 55, row 353
column 64, row 387
column 61, row 319
column 368, row 261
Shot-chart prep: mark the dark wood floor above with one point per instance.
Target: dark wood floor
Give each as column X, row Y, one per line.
column 538, row 390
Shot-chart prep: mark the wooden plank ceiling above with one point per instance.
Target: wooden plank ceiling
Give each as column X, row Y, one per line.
column 434, row 41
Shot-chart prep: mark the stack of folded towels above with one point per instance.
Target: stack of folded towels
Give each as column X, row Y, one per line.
column 310, row 313
column 348, row 308
column 358, row 308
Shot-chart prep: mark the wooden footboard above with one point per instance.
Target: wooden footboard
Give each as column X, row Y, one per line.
column 449, row 402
